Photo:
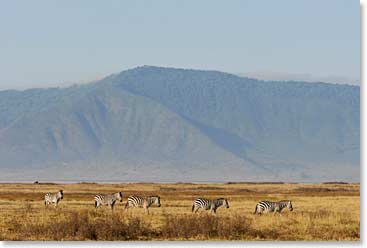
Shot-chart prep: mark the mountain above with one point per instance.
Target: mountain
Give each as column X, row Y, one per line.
column 165, row 124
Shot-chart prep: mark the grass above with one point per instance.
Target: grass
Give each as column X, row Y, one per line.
column 321, row 212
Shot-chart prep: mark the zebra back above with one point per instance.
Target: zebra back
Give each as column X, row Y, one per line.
column 268, row 206
column 107, row 199
column 209, row 204
column 53, row 197
column 140, row 201
column 201, row 203
column 135, row 201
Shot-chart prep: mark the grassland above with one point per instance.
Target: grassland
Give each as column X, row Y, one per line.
column 321, row 212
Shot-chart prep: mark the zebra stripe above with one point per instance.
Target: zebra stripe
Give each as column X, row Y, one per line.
column 53, row 198
column 107, row 199
column 276, row 207
column 211, row 205
column 142, row 202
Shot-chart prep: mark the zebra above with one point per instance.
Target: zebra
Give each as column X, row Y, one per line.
column 211, row 205
column 276, row 207
column 142, row 202
column 53, row 198
column 109, row 199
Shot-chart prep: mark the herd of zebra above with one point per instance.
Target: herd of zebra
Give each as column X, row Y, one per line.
column 146, row 202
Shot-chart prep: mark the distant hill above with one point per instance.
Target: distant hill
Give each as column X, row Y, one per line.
column 164, row 124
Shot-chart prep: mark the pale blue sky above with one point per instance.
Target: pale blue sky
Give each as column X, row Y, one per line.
column 44, row 43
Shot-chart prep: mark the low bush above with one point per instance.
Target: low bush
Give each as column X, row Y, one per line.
column 206, row 227
column 82, row 226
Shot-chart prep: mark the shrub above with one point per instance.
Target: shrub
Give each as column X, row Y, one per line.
column 80, row 226
column 205, row 227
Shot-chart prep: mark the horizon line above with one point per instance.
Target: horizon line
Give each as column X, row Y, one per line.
column 68, row 84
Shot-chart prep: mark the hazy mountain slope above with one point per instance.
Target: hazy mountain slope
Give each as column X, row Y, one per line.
column 108, row 124
column 152, row 123
column 317, row 120
column 15, row 104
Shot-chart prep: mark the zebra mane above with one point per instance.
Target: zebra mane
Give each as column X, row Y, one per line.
column 154, row 196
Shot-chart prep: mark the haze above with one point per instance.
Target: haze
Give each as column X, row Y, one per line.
column 51, row 43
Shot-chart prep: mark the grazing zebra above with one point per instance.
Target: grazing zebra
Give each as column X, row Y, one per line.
column 110, row 200
column 276, row 207
column 209, row 204
column 53, row 198
column 142, row 202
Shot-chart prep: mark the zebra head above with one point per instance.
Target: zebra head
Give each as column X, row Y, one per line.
column 60, row 194
column 225, row 203
column 157, row 200
column 119, row 196
column 289, row 206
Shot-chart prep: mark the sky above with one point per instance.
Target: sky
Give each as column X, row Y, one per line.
column 50, row 43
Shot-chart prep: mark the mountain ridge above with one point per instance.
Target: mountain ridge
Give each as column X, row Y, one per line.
column 184, row 118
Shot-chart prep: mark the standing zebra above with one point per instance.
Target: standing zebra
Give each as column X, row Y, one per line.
column 110, row 200
column 211, row 205
column 276, row 207
column 53, row 198
column 142, row 202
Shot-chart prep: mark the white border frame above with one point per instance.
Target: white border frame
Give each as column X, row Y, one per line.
column 114, row 244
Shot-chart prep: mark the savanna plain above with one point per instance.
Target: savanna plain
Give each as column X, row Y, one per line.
column 325, row 211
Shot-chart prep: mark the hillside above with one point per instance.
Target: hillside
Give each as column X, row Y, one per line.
column 152, row 123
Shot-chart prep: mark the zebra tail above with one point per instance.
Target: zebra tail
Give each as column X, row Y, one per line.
column 255, row 209
column 193, row 206
column 95, row 204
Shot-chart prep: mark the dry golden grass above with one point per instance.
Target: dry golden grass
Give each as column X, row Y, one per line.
column 321, row 212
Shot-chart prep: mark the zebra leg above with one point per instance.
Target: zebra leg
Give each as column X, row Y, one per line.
column 196, row 210
column 212, row 209
column 279, row 212
column 146, row 210
column 96, row 206
column 127, row 205
column 275, row 211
